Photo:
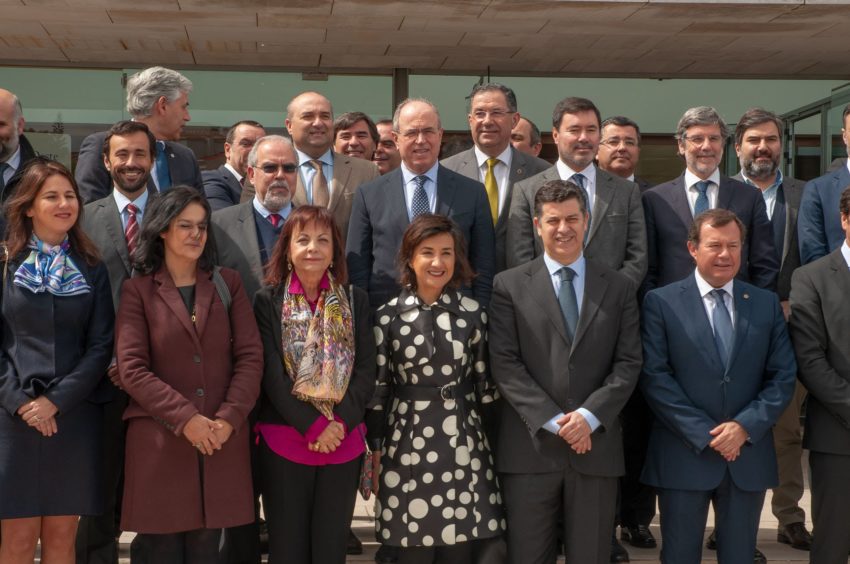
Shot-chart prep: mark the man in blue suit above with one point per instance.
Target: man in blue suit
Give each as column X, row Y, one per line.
column 718, row 372
column 819, row 223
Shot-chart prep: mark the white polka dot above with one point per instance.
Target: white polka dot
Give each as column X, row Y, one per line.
column 379, row 335
column 460, row 538
column 386, row 515
column 459, row 474
column 448, row 512
column 410, row 300
column 431, row 457
column 414, row 379
column 381, row 360
column 404, row 329
column 396, row 435
column 413, row 527
column 475, row 464
column 450, row 494
column 489, row 474
column 392, row 501
column 444, row 321
column 402, row 408
column 460, row 513
column 409, row 315
column 418, row 443
column 428, row 432
column 405, row 459
column 428, row 370
column 446, row 369
column 462, row 456
column 427, row 478
column 404, row 541
column 427, row 540
column 396, row 344
column 450, row 425
column 417, row 508
column 411, row 485
column 468, row 304
column 391, row 479
column 437, row 501
column 492, row 524
column 448, row 534
column 446, row 477
column 418, row 339
column 461, row 323
column 415, row 458
column 386, row 534
column 480, row 366
column 504, row 524
column 465, row 498
column 410, row 352
column 384, row 320
column 458, row 349
column 492, row 499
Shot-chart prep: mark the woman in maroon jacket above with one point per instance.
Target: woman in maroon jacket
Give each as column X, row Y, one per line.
column 190, row 358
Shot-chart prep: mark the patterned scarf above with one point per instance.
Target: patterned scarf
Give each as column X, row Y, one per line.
column 48, row 268
column 318, row 348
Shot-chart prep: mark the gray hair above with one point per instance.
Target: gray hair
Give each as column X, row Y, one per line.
column 252, row 156
column 146, row 87
column 701, row 115
column 18, row 110
column 407, row 101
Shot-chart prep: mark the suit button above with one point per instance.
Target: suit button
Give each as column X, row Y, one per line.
column 726, row 379
column 199, row 392
column 197, row 359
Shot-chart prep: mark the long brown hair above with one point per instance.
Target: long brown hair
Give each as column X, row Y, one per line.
column 19, row 226
column 279, row 266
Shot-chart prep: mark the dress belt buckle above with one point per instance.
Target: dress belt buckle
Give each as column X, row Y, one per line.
column 447, row 392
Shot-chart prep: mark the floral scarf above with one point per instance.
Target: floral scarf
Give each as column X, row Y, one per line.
column 48, row 268
column 318, row 348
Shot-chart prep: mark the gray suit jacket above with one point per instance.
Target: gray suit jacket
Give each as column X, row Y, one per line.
column 102, row 223
column 221, row 187
column 235, row 235
column 820, row 331
column 94, row 181
column 522, row 166
column 540, row 372
column 617, row 235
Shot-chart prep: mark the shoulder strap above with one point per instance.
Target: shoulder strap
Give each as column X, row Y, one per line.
column 221, row 288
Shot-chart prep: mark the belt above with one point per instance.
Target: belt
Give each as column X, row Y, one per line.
column 453, row 391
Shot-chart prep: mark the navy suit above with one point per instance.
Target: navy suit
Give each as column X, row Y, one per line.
column 379, row 218
column 690, row 392
column 819, row 221
column 222, row 188
column 668, row 218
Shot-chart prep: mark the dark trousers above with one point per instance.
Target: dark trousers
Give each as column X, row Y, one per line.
column 244, row 541
column 202, row 546
column 308, row 508
column 534, row 503
column 637, row 500
column 830, row 507
column 461, row 553
column 683, row 517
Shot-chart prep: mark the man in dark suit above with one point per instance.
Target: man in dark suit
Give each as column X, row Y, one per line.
column 383, row 208
column 113, row 223
column 758, row 143
column 492, row 160
column 617, row 234
column 820, row 331
column 565, row 354
column 15, row 150
column 159, row 98
column 819, row 225
column 525, row 137
column 718, row 372
column 619, row 149
column 671, row 207
column 223, row 186
column 386, row 156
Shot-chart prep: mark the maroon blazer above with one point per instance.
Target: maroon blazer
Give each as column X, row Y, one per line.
column 171, row 371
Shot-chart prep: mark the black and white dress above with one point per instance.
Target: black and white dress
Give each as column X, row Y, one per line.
column 438, row 484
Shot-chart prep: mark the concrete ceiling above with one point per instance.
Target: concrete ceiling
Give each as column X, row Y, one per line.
column 779, row 38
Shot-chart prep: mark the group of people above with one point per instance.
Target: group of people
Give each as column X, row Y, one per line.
column 516, row 357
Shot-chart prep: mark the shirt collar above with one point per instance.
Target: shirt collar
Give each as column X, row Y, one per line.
column 449, row 300
column 845, row 252
column 504, row 156
column 554, row 266
column 261, row 209
column 14, row 161
column 408, row 175
column 705, row 287
column 295, row 286
column 123, row 201
column 325, row 159
column 631, row 177
column 691, row 178
column 566, row 172
column 772, row 188
column 233, row 171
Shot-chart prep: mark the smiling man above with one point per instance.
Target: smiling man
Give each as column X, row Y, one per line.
column 355, row 135
column 386, row 156
column 619, row 149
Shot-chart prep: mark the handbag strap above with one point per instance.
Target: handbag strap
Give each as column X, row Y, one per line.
column 221, row 288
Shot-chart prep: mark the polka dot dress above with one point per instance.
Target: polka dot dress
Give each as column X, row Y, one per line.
column 438, row 486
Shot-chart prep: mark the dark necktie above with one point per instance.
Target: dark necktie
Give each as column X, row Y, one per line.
column 722, row 321
column 131, row 230
column 701, row 205
column 163, row 175
column 420, row 204
column 275, row 220
column 3, row 167
column 567, row 300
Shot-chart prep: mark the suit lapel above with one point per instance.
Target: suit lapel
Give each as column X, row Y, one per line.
column 112, row 221
column 517, row 172
column 204, row 292
column 299, row 198
column 171, row 296
column 679, row 202
column 594, row 290
column 724, row 194
column 696, row 323
column 544, row 295
column 393, row 191
column 446, row 190
column 342, row 170
column 743, row 312
column 604, row 195
column 247, row 237
column 839, row 266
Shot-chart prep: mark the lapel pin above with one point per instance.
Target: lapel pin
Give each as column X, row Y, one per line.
column 746, row 296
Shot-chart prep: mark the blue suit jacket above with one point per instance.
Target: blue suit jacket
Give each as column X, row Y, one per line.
column 819, row 221
column 691, row 392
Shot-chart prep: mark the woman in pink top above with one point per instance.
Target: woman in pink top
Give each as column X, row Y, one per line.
column 319, row 375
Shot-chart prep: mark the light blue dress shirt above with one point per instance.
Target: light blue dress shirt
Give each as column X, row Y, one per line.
column 307, row 172
column 123, row 201
column 430, row 186
column 261, row 209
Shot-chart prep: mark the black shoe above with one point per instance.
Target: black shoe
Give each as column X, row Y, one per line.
column 711, row 543
column 640, row 536
column 759, row 557
column 354, row 544
column 618, row 553
column 264, row 537
column 796, row 535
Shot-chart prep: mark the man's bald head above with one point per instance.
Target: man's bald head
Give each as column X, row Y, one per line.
column 309, row 120
column 11, row 124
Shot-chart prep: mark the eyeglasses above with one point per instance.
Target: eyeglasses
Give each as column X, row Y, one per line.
column 615, row 142
column 270, row 169
column 412, row 134
column 481, row 115
column 699, row 140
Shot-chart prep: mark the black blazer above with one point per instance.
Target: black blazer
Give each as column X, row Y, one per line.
column 379, row 219
column 221, row 187
column 668, row 218
column 94, row 181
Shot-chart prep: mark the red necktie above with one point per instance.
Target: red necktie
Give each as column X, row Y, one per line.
column 275, row 219
column 131, row 230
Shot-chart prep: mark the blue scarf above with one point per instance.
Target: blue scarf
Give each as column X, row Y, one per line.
column 48, row 268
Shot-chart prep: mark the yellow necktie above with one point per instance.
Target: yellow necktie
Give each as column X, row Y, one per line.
column 492, row 188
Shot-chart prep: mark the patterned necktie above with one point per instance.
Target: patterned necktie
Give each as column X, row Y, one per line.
column 131, row 230
column 722, row 322
column 581, row 181
column 321, row 197
column 567, row 300
column 275, row 220
column 420, row 204
column 492, row 188
column 701, row 205
column 163, row 175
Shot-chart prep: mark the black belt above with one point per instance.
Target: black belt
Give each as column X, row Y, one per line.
column 451, row 391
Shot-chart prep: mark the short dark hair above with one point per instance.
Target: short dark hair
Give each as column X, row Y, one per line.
column 844, row 114
column 125, row 128
column 754, row 117
column 423, row 227
column 535, row 131
column 700, row 115
column 348, row 119
column 844, row 202
column 160, row 212
column 556, row 191
column 621, row 121
column 384, row 122
column 510, row 96
column 231, row 133
column 573, row 105
column 716, row 217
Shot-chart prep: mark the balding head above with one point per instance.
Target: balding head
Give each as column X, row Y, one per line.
column 309, row 120
column 11, row 124
column 418, row 134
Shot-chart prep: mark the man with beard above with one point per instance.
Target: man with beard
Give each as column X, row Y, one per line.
column 114, row 223
column 386, row 157
column 223, row 186
column 670, row 208
column 355, row 135
column 619, row 149
column 758, row 143
column 15, row 150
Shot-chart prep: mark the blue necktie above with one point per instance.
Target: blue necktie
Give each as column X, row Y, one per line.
column 722, row 321
column 420, row 204
column 701, row 205
column 163, row 176
column 567, row 300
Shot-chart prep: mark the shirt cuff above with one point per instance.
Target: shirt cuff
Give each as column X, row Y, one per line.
column 590, row 418
column 552, row 426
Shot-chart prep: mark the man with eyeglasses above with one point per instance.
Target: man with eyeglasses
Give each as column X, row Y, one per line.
column 619, row 149
column 671, row 207
column 492, row 160
column 383, row 208
column 223, row 186
column 616, row 234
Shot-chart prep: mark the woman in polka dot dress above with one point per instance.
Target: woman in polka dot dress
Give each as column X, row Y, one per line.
column 439, row 496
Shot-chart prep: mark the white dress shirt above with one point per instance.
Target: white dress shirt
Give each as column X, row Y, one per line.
column 692, row 193
column 589, row 173
column 708, row 300
column 234, row 173
column 14, row 163
column 501, row 171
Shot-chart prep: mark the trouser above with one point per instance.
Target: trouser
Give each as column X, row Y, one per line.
column 201, row 546
column 788, row 440
column 830, row 507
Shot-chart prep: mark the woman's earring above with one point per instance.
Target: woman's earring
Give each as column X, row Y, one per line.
column 331, row 265
column 288, row 264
